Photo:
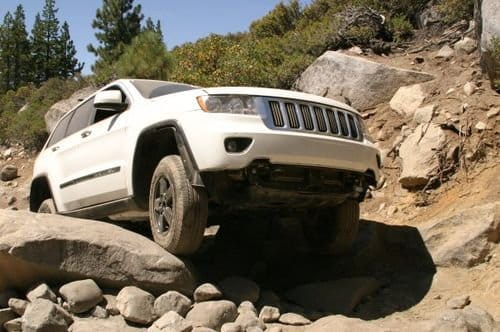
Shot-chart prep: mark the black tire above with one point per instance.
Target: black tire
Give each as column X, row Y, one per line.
column 47, row 206
column 177, row 210
column 333, row 230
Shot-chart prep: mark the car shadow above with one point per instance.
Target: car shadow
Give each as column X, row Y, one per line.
column 273, row 252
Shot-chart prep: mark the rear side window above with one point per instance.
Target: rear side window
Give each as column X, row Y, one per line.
column 81, row 117
column 59, row 132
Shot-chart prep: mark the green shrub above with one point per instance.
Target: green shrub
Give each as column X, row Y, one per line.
column 280, row 20
column 400, row 28
column 456, row 10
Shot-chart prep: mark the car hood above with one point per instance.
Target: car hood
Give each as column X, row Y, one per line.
column 277, row 93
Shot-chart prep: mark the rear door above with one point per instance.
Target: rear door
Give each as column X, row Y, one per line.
column 93, row 167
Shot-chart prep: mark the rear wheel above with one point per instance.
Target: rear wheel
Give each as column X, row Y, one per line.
column 177, row 210
column 333, row 230
column 47, row 206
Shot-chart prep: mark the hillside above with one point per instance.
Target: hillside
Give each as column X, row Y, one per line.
column 427, row 257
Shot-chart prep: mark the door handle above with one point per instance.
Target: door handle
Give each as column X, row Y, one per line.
column 86, row 133
column 55, row 148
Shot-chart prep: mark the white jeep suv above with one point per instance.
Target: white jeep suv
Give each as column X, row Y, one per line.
column 173, row 153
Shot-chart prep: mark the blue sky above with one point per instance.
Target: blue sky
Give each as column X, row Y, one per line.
column 182, row 21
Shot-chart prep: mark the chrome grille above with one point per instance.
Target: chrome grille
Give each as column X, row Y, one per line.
column 315, row 118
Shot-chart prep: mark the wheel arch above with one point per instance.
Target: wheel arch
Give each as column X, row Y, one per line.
column 154, row 143
column 40, row 190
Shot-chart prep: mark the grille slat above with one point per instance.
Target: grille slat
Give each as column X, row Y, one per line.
column 307, row 117
column 320, row 118
column 293, row 119
column 314, row 118
column 276, row 114
column 332, row 120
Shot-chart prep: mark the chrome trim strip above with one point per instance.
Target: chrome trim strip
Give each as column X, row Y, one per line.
column 92, row 176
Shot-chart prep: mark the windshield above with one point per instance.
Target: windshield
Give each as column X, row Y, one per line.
column 153, row 89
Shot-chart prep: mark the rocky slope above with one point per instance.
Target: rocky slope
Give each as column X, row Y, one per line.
column 427, row 257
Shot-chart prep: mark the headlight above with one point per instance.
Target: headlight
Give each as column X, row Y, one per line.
column 234, row 104
column 366, row 133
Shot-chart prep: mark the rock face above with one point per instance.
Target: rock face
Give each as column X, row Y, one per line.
column 408, row 99
column 464, row 239
column 419, row 154
column 488, row 19
column 62, row 107
column 339, row 296
column 363, row 83
column 61, row 249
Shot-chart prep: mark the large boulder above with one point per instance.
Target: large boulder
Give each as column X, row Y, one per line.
column 60, row 249
column 338, row 296
column 62, row 107
column 420, row 155
column 464, row 239
column 488, row 24
column 363, row 83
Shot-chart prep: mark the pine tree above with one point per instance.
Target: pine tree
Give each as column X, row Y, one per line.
column 6, row 53
column 21, row 49
column 150, row 26
column 45, row 43
column 118, row 22
column 68, row 63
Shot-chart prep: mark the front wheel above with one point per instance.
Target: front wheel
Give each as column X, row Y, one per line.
column 333, row 230
column 47, row 206
column 177, row 210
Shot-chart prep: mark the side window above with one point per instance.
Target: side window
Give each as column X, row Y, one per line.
column 101, row 114
column 60, row 131
column 81, row 117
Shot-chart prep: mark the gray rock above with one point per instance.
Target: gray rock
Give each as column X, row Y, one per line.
column 8, row 173
column 172, row 301
column 115, row 323
column 43, row 315
column 99, row 312
column 111, row 307
column 338, row 296
column 18, row 306
column 294, row 319
column 469, row 319
column 364, row 83
column 247, row 319
column 232, row 327
column 203, row 329
column 470, row 88
column 408, row 99
column 446, row 52
column 212, row 314
column 59, row 249
column 419, row 155
column 81, row 295
column 14, row 325
column 207, row 292
column 237, row 290
column 171, row 322
column 492, row 113
column 339, row 323
column 42, row 291
column 489, row 22
column 6, row 315
column 136, row 305
column 464, row 239
column 62, row 107
column 465, row 46
column 459, row 302
column 247, row 306
column 254, row 329
column 269, row 314
column 424, row 114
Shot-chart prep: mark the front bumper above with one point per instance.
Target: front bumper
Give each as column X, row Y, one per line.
column 206, row 134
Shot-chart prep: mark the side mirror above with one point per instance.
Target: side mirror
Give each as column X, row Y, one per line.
column 110, row 100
